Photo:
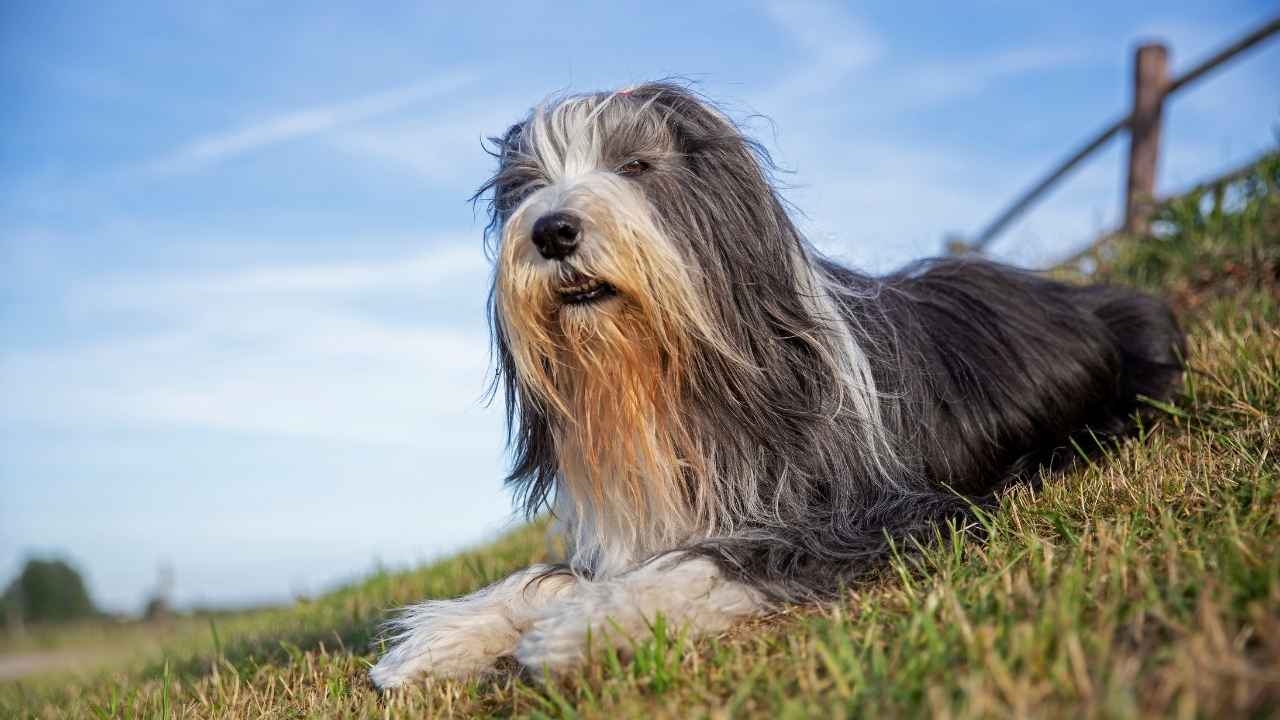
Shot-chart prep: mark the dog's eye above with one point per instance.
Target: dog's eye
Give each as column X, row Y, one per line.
column 633, row 167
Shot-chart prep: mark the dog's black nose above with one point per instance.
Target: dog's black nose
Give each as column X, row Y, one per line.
column 556, row 235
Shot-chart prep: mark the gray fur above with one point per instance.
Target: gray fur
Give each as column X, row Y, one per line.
column 839, row 412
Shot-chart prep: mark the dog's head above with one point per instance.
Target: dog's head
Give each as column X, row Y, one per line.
column 648, row 279
column 624, row 217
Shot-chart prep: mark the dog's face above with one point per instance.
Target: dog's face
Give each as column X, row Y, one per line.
column 575, row 192
column 609, row 208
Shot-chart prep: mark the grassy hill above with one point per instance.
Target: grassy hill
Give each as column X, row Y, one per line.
column 1145, row 583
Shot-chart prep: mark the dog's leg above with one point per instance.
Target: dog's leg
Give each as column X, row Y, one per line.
column 464, row 637
column 689, row 592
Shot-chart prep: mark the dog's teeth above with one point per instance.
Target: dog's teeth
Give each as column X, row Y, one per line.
column 583, row 288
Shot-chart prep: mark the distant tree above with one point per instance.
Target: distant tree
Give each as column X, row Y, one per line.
column 46, row 591
column 158, row 606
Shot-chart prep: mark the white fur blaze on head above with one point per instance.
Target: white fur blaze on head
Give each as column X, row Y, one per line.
column 609, row 374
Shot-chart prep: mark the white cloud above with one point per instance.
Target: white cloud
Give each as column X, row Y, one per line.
column 862, row 194
column 445, row 149
column 295, row 124
column 449, row 258
column 835, row 43
column 289, row 351
column 827, row 32
column 933, row 83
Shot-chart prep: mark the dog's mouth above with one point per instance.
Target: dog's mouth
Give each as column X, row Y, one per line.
column 578, row 289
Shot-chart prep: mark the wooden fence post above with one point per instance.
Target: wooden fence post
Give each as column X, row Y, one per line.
column 1150, row 82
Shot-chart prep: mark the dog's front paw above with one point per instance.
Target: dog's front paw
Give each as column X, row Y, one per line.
column 559, row 640
column 554, row 644
column 445, row 640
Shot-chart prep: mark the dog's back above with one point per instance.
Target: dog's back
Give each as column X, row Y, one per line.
column 1020, row 371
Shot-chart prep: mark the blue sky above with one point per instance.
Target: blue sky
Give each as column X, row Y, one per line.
column 241, row 289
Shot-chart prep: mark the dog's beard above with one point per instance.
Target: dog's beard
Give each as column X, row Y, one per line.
column 613, row 373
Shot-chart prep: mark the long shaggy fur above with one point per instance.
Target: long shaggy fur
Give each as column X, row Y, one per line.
column 740, row 402
column 753, row 401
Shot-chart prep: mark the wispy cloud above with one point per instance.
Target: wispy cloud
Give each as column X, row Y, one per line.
column 295, row 124
column 451, row 258
column 864, row 207
column 932, row 83
column 443, row 149
column 310, row 350
column 835, row 44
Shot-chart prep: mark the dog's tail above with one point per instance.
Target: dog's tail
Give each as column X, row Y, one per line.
column 1152, row 346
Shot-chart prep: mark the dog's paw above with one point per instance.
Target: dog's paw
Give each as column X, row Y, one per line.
column 554, row 645
column 559, row 641
column 443, row 640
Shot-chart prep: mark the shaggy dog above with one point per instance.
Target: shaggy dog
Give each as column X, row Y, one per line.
column 720, row 418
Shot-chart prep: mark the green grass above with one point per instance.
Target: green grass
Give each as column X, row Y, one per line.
column 1145, row 583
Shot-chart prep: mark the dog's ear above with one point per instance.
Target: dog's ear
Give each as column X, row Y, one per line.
column 508, row 148
column 503, row 148
column 715, row 149
column 695, row 122
column 686, row 115
column 509, row 141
